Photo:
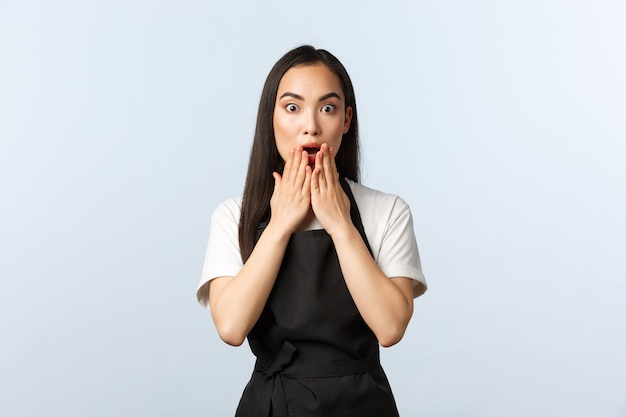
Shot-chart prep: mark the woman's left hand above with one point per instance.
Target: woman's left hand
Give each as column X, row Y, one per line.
column 328, row 200
column 385, row 304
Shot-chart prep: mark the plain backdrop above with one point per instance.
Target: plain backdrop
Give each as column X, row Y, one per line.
column 123, row 124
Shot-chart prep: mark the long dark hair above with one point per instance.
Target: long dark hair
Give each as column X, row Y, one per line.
column 264, row 156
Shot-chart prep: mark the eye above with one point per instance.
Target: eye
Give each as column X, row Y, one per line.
column 291, row 107
column 328, row 108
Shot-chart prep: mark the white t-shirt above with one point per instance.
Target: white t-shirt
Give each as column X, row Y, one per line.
column 387, row 222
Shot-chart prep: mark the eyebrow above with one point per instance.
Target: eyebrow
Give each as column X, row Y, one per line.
column 299, row 97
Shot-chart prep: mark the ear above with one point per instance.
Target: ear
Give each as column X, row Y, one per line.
column 348, row 120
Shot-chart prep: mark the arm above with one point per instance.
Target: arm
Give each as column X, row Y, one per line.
column 385, row 304
column 237, row 302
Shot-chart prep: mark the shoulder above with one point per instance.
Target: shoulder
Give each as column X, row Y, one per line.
column 371, row 200
column 228, row 211
column 382, row 214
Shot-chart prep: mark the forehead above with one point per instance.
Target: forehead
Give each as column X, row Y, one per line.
column 314, row 80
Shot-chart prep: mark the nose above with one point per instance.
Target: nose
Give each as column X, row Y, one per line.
column 311, row 125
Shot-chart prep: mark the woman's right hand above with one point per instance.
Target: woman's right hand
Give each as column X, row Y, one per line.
column 237, row 302
column 291, row 200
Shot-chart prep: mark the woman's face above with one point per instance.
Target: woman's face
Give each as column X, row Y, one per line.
column 310, row 110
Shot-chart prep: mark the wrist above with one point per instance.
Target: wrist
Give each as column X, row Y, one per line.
column 344, row 233
column 277, row 232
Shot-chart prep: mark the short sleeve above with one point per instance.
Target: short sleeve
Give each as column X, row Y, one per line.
column 223, row 257
column 399, row 255
column 388, row 225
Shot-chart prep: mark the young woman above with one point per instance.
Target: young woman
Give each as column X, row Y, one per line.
column 313, row 268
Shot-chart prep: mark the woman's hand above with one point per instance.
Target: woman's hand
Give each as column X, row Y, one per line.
column 385, row 304
column 291, row 199
column 237, row 302
column 330, row 203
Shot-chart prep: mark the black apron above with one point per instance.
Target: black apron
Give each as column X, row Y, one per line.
column 315, row 354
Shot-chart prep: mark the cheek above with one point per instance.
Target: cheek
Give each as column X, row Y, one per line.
column 281, row 126
column 281, row 136
column 336, row 130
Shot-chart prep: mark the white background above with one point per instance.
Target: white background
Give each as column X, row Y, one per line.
column 124, row 123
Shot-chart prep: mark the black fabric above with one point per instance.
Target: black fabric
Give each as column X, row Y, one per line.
column 315, row 354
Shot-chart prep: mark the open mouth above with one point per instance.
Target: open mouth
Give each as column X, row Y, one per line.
column 312, row 150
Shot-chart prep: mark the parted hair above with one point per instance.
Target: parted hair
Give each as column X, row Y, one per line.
column 264, row 156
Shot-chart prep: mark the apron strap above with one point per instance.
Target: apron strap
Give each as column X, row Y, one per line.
column 272, row 367
column 273, row 397
column 354, row 212
column 273, row 401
